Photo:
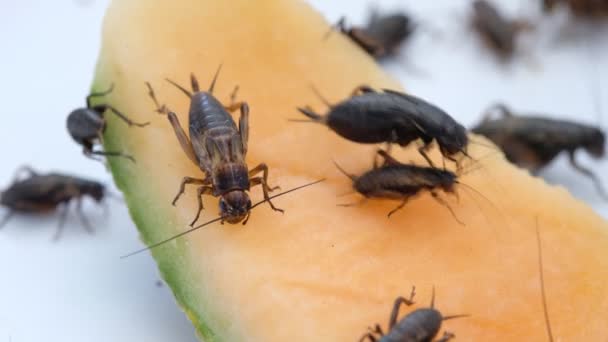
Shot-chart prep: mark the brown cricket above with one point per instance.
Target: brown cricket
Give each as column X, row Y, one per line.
column 420, row 325
column 218, row 148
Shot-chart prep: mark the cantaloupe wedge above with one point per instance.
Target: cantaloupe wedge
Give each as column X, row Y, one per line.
column 321, row 272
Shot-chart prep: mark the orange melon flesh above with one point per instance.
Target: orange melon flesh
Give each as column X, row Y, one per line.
column 322, row 272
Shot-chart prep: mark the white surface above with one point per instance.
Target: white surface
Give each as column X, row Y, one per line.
column 79, row 290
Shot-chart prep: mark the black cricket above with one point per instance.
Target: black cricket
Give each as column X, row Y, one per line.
column 390, row 116
column 218, row 148
column 421, row 325
column 498, row 32
column 394, row 180
column 580, row 8
column 42, row 193
column 532, row 142
column 87, row 125
column 383, row 34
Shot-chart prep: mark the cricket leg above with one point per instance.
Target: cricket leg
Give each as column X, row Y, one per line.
column 243, row 120
column 588, row 173
column 24, row 168
column 368, row 336
column 395, row 312
column 90, row 153
column 7, row 217
column 499, row 108
column 260, row 180
column 388, row 160
column 446, row 337
column 205, row 189
column 189, row 180
column 356, row 204
column 422, row 150
column 364, row 88
column 99, row 94
column 399, row 207
column 262, row 167
column 62, row 216
column 83, row 218
column 181, row 135
column 122, row 116
column 445, row 204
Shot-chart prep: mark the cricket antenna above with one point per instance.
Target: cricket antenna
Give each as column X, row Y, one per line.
column 542, row 282
column 215, row 220
column 215, row 79
column 287, row 191
column 352, row 177
column 478, row 193
column 320, row 96
column 172, row 238
column 433, row 298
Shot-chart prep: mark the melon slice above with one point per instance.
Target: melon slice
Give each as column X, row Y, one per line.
column 322, row 272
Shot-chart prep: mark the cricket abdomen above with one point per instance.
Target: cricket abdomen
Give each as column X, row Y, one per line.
column 370, row 119
column 399, row 181
column 419, row 326
column 207, row 113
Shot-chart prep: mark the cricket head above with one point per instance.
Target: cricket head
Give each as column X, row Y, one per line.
column 235, row 206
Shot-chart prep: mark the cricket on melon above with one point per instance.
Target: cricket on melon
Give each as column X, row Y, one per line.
column 321, row 272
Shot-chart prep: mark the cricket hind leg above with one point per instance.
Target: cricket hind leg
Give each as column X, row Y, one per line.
column 499, row 108
column 90, row 153
column 23, row 168
column 121, row 115
column 181, row 135
column 205, row 189
column 62, row 218
column 6, row 218
column 243, row 120
column 395, row 312
column 189, row 180
column 98, row 94
column 589, row 174
column 85, row 222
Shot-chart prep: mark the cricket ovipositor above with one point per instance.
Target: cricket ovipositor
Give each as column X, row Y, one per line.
column 420, row 325
column 87, row 125
column 532, row 142
column 218, row 148
column 382, row 35
column 394, row 180
column 42, row 193
column 393, row 117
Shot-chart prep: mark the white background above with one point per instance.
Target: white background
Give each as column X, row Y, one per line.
column 78, row 289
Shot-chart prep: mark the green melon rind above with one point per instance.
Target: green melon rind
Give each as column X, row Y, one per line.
column 147, row 216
